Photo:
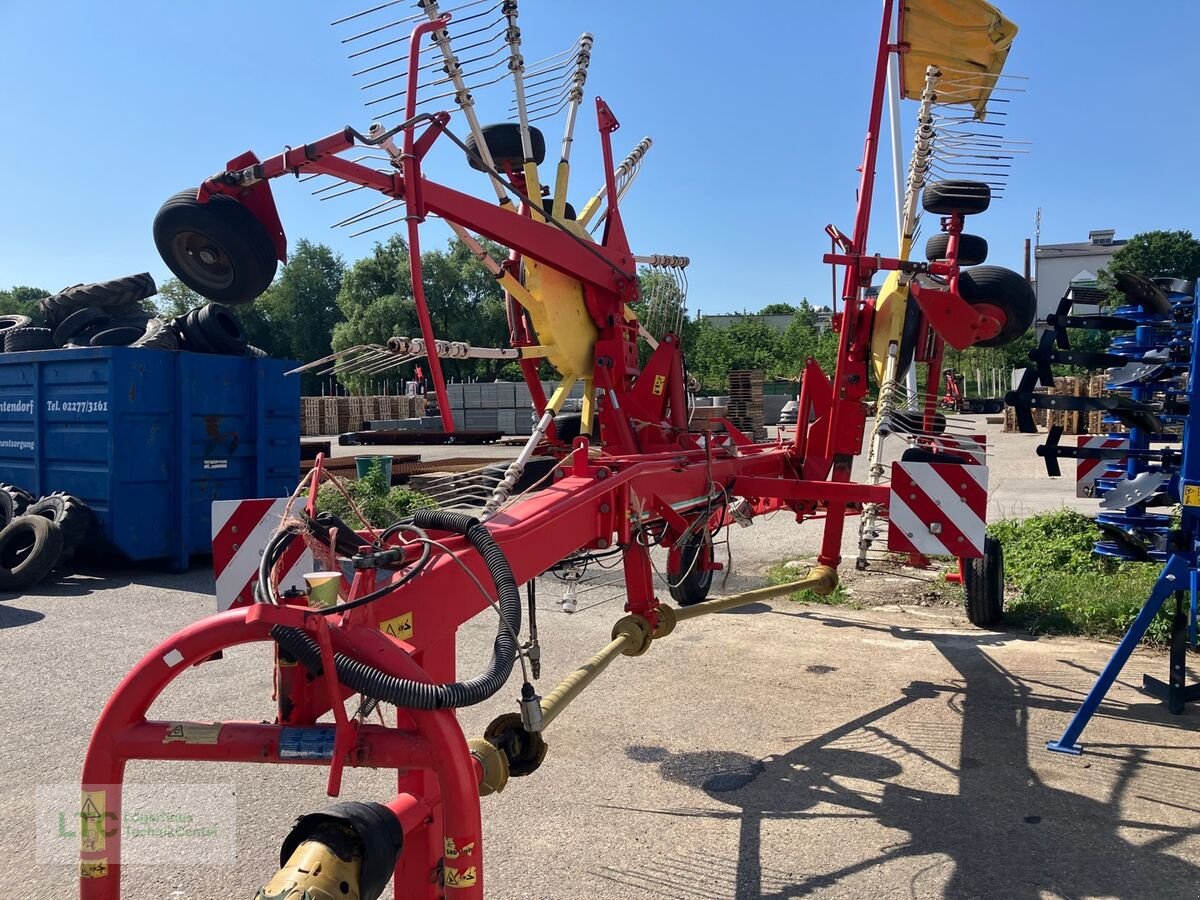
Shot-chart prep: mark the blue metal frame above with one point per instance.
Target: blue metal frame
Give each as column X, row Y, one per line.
column 1178, row 574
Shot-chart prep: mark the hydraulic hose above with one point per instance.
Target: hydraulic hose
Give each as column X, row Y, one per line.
column 403, row 692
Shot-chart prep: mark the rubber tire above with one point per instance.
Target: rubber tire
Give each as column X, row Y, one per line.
column 568, row 426
column 233, row 229
column 504, row 142
column 694, row 587
column 20, row 339
column 945, row 198
column 157, row 335
column 920, row 454
column 908, row 336
column 190, row 337
column 119, row 336
column 221, row 329
column 7, row 509
column 12, row 321
column 76, row 322
column 983, row 585
column 568, row 209
column 972, row 249
column 20, row 498
column 256, row 352
column 1005, row 289
column 69, row 513
column 30, row 548
column 119, row 292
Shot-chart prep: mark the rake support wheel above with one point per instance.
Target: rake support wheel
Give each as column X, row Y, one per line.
column 1004, row 295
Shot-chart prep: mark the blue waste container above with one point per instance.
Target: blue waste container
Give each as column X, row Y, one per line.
column 149, row 439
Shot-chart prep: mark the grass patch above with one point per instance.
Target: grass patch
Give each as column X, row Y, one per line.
column 781, row 574
column 1063, row 588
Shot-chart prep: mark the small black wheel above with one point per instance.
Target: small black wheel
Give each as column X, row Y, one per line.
column 909, row 333
column 972, row 249
column 568, row 426
column 945, row 198
column 983, row 584
column 66, row 511
column 1004, row 295
column 504, row 143
column 19, row 339
column 568, row 209
column 219, row 249
column 693, row 580
column 920, row 454
column 30, row 548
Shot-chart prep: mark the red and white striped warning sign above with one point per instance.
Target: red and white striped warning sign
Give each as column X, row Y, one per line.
column 1088, row 470
column 240, row 529
column 937, row 509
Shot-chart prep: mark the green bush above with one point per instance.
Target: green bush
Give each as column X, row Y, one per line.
column 1064, row 588
column 380, row 502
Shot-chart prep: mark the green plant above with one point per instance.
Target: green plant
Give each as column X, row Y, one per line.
column 381, row 503
column 1065, row 588
column 780, row 573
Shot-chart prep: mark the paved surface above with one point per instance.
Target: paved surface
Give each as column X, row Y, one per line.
column 780, row 751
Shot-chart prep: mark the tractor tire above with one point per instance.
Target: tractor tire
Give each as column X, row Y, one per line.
column 504, row 143
column 219, row 249
column 1006, row 293
column 972, row 249
column 983, row 585
column 12, row 323
column 7, row 509
column 692, row 582
column 114, row 294
column 256, row 352
column 157, row 335
column 76, row 322
column 18, row 498
column 946, row 198
column 568, row 426
column 69, row 513
column 19, row 339
column 30, row 548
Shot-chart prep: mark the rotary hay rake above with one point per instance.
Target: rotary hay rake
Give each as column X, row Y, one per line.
column 633, row 477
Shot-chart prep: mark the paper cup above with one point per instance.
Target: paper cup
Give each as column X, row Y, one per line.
column 323, row 589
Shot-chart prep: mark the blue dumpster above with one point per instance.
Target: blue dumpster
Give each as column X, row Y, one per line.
column 149, row 438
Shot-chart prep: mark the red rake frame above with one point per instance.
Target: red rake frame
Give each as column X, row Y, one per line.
column 652, row 474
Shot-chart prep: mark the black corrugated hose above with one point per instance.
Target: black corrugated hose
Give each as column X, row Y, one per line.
column 403, row 692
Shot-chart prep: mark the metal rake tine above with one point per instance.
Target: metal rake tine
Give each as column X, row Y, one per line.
column 358, row 364
column 368, row 212
column 367, row 12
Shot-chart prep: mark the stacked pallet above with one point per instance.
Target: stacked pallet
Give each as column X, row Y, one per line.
column 746, row 403
column 704, row 418
column 336, row 415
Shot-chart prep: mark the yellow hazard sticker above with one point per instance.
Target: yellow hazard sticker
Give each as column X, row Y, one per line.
column 93, row 868
column 91, row 821
column 660, row 383
column 401, row 627
column 192, row 732
column 1191, row 495
column 460, row 878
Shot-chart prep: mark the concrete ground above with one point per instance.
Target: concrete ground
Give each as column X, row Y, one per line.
column 779, row 751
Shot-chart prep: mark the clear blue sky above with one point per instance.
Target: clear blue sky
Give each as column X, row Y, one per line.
column 757, row 113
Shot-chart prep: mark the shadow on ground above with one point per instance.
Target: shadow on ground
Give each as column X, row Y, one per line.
column 1004, row 832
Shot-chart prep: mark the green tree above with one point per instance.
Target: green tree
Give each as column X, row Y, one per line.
column 22, row 301
column 175, row 298
column 1156, row 253
column 465, row 303
column 295, row 317
column 778, row 309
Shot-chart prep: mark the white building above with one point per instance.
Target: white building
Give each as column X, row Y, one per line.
column 1061, row 265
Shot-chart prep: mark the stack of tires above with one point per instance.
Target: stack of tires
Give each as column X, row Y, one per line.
column 114, row 314
column 37, row 535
